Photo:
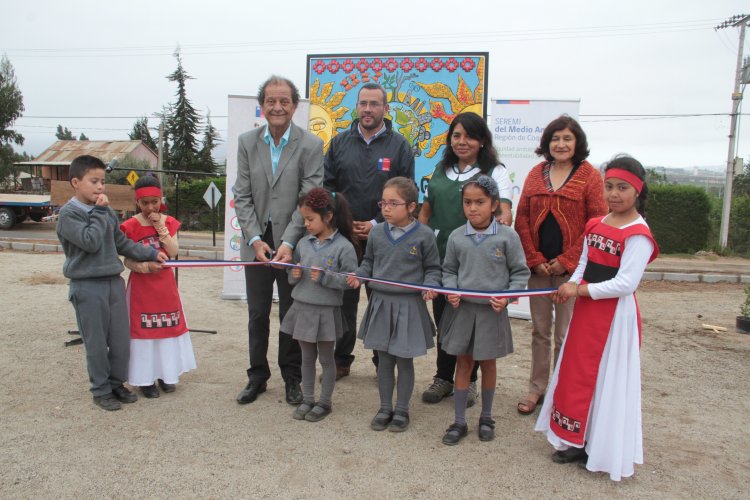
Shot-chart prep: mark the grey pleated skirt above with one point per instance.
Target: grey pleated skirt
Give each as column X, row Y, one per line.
column 398, row 324
column 475, row 330
column 313, row 323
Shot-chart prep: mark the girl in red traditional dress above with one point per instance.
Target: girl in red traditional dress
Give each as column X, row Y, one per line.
column 594, row 414
column 160, row 347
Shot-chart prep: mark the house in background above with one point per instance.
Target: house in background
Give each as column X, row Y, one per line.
column 54, row 162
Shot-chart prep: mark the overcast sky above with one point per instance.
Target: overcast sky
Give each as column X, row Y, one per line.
column 642, row 57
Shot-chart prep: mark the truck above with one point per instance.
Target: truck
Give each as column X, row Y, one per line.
column 16, row 208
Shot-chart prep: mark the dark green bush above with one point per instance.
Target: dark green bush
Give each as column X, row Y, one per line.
column 194, row 212
column 739, row 225
column 679, row 217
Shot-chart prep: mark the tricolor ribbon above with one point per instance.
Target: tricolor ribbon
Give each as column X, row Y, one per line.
column 484, row 294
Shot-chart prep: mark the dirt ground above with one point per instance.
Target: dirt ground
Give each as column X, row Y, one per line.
column 198, row 442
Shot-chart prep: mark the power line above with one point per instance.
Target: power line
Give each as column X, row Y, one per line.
column 417, row 39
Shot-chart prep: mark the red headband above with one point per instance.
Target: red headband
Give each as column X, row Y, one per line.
column 147, row 191
column 628, row 177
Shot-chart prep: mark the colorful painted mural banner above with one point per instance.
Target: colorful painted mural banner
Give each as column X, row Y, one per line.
column 425, row 91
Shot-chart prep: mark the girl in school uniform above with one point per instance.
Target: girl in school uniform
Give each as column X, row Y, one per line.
column 594, row 414
column 480, row 255
column 160, row 346
column 315, row 319
column 396, row 323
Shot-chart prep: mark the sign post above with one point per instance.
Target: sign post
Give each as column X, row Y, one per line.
column 212, row 197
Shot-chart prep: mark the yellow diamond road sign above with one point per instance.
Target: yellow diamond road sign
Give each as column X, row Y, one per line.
column 132, row 177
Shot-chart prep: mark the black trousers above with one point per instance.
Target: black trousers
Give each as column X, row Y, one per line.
column 446, row 363
column 345, row 345
column 259, row 287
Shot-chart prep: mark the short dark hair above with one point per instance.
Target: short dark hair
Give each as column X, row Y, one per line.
column 277, row 80
column 374, row 86
column 82, row 164
column 476, row 128
column 561, row 123
column 630, row 164
column 147, row 180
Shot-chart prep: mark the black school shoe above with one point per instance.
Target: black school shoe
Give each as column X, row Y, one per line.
column 400, row 422
column 167, row 387
column 455, row 433
column 124, row 395
column 486, row 429
column 570, row 455
column 150, row 391
column 381, row 420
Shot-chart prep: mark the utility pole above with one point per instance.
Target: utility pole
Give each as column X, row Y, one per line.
column 734, row 21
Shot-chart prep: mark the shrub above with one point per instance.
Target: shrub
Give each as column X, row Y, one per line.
column 679, row 217
column 195, row 214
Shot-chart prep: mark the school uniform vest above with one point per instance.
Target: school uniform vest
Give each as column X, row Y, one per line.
column 446, row 202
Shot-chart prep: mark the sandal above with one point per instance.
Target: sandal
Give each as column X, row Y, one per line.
column 530, row 405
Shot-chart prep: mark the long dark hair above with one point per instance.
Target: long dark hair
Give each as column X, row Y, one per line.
column 630, row 164
column 561, row 123
column 476, row 128
column 322, row 202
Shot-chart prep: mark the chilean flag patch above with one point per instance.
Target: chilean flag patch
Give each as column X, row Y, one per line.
column 384, row 164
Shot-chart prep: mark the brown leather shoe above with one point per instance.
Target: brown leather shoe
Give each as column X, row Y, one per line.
column 342, row 371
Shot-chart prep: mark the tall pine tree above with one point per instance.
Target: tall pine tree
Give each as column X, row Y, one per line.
column 11, row 109
column 184, row 122
column 141, row 133
column 64, row 134
column 210, row 139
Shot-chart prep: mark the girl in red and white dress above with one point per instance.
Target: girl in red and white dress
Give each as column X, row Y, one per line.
column 594, row 414
column 160, row 347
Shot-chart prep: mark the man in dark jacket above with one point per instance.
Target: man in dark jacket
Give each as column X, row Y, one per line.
column 358, row 163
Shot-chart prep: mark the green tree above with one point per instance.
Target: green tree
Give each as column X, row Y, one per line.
column 210, row 139
column 741, row 183
column 654, row 177
column 64, row 134
column 11, row 109
column 183, row 124
column 83, row 137
column 141, row 133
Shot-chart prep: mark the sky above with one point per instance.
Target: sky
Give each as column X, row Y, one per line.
column 95, row 66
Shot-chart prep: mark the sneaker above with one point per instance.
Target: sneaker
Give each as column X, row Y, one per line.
column 473, row 396
column 438, row 390
column 107, row 402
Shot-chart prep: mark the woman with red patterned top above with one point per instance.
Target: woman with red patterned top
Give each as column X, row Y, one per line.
column 160, row 346
column 559, row 196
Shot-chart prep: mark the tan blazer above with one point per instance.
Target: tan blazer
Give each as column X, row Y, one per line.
column 258, row 194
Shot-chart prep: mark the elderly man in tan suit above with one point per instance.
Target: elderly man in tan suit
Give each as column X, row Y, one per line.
column 275, row 164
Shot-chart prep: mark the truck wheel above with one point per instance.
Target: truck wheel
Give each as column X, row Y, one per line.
column 7, row 218
column 20, row 218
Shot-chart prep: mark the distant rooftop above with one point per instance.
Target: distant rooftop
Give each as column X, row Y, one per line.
column 64, row 152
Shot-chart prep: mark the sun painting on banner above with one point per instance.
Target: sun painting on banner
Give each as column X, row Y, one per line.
column 462, row 100
column 325, row 111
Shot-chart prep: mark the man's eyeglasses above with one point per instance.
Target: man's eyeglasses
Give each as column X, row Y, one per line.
column 390, row 204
